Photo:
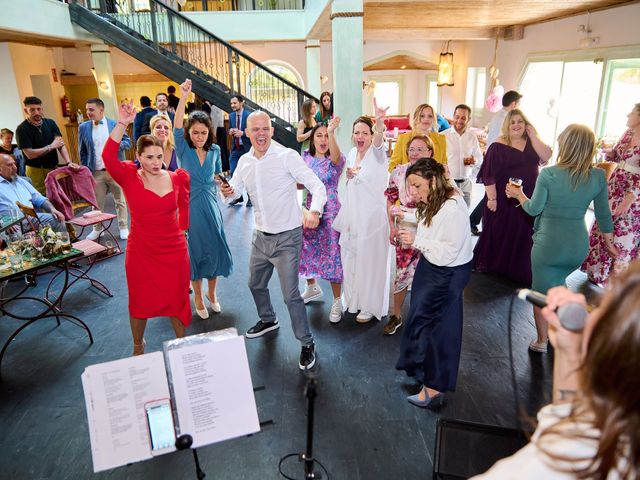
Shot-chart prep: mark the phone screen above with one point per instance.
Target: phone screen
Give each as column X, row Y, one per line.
column 161, row 428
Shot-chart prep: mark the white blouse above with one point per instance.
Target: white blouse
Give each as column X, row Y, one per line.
column 447, row 241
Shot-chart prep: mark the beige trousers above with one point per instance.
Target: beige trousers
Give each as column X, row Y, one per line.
column 104, row 185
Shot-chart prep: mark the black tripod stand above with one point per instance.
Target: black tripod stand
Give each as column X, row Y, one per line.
column 182, row 443
column 307, row 457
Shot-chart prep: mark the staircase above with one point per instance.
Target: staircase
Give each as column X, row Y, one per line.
column 173, row 45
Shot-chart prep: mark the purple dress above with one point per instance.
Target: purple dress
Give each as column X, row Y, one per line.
column 320, row 256
column 505, row 244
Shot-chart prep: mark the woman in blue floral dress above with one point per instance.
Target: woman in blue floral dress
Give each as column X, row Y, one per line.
column 320, row 257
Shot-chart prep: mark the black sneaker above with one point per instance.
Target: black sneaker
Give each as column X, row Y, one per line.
column 261, row 328
column 307, row 357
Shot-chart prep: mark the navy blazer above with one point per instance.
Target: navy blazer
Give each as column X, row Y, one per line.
column 86, row 147
column 246, row 143
column 139, row 121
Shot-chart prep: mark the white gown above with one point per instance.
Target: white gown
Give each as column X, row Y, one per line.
column 364, row 235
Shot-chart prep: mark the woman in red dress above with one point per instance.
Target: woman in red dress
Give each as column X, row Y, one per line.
column 157, row 263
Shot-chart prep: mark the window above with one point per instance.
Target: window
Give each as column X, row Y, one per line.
column 433, row 98
column 621, row 92
column 476, row 89
column 274, row 95
column 567, row 89
column 388, row 93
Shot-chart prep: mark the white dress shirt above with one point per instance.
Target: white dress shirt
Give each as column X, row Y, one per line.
column 99, row 135
column 496, row 126
column 447, row 241
column 459, row 147
column 271, row 182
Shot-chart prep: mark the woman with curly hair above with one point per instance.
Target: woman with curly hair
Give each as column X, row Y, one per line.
column 431, row 341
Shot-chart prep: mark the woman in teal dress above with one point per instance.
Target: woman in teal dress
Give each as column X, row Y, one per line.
column 209, row 254
column 559, row 202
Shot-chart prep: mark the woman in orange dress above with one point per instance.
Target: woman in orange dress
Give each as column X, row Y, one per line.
column 156, row 263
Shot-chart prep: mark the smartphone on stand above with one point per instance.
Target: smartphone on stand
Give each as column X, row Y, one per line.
column 162, row 432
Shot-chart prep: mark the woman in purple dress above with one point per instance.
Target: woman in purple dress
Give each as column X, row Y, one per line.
column 505, row 244
column 320, row 256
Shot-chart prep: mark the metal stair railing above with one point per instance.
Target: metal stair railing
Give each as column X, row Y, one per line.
column 180, row 39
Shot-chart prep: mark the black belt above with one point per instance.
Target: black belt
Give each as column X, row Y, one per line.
column 460, row 180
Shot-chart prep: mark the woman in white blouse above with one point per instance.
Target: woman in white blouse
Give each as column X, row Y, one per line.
column 431, row 341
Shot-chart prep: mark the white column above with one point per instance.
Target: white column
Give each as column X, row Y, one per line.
column 11, row 112
column 347, row 47
column 101, row 55
column 313, row 67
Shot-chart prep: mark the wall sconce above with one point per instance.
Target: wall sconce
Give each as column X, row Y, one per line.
column 445, row 68
column 101, row 85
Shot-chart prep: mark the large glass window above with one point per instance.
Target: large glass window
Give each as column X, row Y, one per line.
column 433, row 97
column 621, row 92
column 476, row 89
column 388, row 93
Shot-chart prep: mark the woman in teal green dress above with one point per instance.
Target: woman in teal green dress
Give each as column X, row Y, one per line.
column 209, row 254
column 559, row 202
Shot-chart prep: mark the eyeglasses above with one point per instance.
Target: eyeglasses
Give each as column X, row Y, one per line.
column 418, row 150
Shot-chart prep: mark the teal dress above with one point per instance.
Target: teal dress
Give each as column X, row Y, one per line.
column 560, row 238
column 209, row 253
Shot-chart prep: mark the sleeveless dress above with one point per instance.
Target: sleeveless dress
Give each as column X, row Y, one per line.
column 320, row 255
column 209, row 252
column 156, row 263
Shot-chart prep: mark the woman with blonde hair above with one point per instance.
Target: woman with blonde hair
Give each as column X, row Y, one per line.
column 559, row 202
column 161, row 129
column 592, row 429
column 504, row 247
column 424, row 123
column 306, row 124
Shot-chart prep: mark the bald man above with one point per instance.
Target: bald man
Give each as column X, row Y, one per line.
column 14, row 188
column 269, row 173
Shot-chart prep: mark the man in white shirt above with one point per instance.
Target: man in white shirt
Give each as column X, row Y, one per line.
column 463, row 151
column 92, row 136
column 270, row 173
column 510, row 100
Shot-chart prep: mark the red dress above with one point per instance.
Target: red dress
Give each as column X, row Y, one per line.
column 157, row 263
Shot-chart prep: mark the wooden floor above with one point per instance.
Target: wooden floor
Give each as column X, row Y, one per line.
column 364, row 428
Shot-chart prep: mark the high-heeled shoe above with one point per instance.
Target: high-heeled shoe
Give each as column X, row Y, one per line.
column 436, row 400
column 138, row 348
column 215, row 306
column 202, row 313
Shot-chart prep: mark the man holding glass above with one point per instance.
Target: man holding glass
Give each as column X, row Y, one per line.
column 463, row 151
column 14, row 188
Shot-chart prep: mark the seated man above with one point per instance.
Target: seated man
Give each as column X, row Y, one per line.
column 14, row 188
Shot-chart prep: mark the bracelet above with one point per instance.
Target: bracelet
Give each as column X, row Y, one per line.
column 491, row 199
column 125, row 125
column 375, row 128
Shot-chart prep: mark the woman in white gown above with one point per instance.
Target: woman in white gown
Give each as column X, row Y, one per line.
column 362, row 222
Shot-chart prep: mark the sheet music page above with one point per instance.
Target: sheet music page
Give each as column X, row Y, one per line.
column 115, row 395
column 213, row 391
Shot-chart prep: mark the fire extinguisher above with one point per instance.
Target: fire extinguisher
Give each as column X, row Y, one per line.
column 66, row 106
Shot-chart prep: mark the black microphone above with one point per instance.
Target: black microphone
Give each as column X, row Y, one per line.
column 572, row 315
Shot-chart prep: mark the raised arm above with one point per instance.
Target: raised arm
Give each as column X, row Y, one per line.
column 380, row 113
column 542, row 149
column 185, row 90
column 113, row 165
column 334, row 149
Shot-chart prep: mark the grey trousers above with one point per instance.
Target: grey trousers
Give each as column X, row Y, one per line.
column 282, row 251
column 466, row 186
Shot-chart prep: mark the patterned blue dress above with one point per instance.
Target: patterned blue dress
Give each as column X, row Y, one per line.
column 209, row 253
column 320, row 256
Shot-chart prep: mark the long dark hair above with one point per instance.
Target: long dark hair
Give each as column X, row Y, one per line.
column 312, row 145
column 440, row 189
column 324, row 113
column 610, row 392
column 199, row 117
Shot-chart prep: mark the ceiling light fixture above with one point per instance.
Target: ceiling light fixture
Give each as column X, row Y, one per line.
column 445, row 67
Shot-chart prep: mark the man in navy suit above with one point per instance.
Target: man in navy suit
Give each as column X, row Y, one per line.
column 162, row 106
column 92, row 136
column 145, row 103
column 240, row 142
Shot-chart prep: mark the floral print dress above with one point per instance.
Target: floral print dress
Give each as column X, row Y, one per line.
column 320, row 256
column 626, row 227
column 406, row 257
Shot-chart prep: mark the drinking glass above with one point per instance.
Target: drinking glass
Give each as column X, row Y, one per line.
column 515, row 182
column 15, row 259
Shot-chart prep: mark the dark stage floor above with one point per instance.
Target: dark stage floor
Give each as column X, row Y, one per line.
column 365, row 429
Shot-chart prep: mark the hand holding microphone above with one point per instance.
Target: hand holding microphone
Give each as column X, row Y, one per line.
column 572, row 314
